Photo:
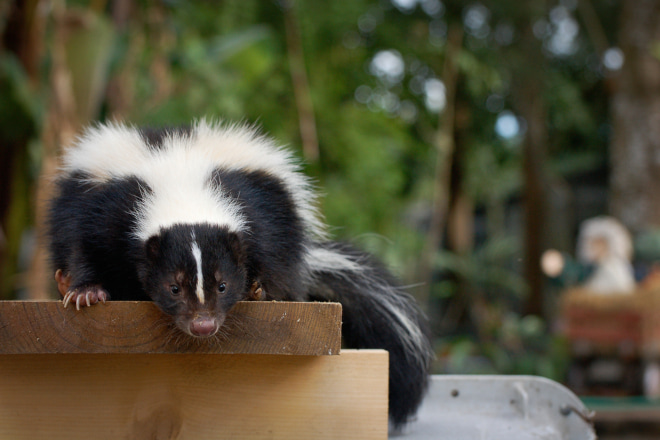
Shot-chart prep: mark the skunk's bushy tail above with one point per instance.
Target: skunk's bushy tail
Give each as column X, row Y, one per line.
column 377, row 313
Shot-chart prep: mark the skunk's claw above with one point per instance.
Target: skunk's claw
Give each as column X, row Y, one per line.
column 85, row 296
column 256, row 292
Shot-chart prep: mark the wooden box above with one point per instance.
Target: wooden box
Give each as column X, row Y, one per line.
column 119, row 371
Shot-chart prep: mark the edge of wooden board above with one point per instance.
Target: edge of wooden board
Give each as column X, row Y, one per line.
column 289, row 328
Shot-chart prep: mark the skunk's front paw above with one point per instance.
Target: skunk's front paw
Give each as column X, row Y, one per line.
column 63, row 281
column 256, row 292
column 85, row 296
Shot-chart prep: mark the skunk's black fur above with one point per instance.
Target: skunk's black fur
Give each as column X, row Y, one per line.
column 197, row 219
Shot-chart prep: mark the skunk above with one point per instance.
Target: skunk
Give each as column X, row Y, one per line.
column 198, row 218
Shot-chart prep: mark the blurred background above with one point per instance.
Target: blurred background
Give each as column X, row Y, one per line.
column 457, row 140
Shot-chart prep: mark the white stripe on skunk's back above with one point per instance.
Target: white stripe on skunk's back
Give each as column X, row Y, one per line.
column 178, row 172
column 107, row 151
column 181, row 194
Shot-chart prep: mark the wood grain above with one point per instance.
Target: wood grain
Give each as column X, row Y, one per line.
column 140, row 327
column 194, row 396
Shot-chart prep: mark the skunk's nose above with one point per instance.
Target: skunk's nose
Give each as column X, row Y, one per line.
column 203, row 326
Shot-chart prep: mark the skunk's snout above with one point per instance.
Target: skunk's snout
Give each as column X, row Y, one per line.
column 204, row 326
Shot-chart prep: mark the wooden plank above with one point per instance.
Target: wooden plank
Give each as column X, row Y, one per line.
column 603, row 326
column 623, row 409
column 140, row 327
column 182, row 396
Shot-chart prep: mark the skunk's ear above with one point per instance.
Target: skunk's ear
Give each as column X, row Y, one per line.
column 152, row 247
column 236, row 246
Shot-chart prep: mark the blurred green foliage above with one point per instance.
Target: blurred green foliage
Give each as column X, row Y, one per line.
column 229, row 60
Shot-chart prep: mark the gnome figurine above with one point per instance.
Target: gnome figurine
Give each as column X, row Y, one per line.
column 604, row 253
column 605, row 243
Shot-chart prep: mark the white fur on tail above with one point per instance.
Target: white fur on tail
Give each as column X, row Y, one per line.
column 389, row 300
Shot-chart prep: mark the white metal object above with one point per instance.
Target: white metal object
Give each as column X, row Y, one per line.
column 499, row 407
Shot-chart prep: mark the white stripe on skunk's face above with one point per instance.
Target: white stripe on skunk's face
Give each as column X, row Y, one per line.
column 197, row 255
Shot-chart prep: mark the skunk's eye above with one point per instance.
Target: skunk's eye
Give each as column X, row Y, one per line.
column 222, row 287
column 176, row 290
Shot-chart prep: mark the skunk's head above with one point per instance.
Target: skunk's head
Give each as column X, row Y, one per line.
column 195, row 274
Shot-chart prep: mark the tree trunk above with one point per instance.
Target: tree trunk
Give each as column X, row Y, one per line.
column 120, row 94
column 529, row 102
column 300, row 83
column 444, row 144
column 60, row 128
column 635, row 148
column 531, row 106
